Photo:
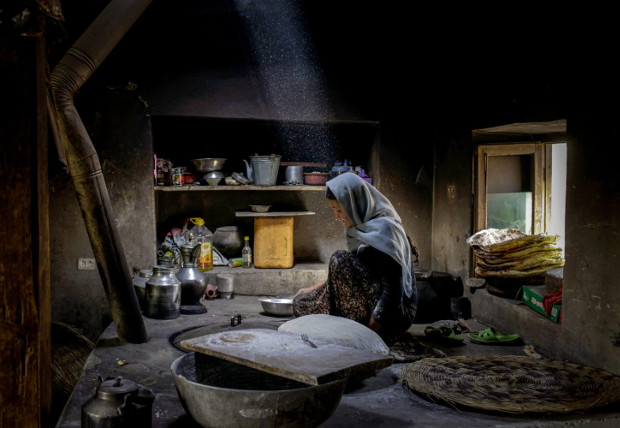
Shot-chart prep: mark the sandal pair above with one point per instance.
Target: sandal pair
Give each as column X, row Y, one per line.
column 491, row 337
column 444, row 335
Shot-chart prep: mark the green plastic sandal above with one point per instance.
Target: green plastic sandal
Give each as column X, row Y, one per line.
column 490, row 337
column 444, row 335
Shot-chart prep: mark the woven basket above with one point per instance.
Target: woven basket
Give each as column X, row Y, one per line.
column 512, row 384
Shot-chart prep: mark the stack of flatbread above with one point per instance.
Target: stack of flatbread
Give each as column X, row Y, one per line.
column 509, row 253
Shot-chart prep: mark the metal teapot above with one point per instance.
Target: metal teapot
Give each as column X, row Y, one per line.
column 118, row 402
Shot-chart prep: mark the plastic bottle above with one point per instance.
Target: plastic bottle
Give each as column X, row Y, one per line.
column 205, row 258
column 236, row 262
column 246, row 254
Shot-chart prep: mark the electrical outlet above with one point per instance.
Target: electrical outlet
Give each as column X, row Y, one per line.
column 86, row 264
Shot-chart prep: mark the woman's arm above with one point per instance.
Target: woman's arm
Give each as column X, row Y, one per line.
column 309, row 289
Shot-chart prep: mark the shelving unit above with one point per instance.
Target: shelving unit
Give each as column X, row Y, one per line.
column 181, row 139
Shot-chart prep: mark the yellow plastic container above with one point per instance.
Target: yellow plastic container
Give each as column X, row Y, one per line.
column 273, row 242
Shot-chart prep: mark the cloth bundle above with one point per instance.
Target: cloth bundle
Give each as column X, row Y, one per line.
column 509, row 253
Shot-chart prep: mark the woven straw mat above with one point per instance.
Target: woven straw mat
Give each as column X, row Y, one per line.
column 512, row 384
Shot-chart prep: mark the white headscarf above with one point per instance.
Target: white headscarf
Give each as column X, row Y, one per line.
column 376, row 222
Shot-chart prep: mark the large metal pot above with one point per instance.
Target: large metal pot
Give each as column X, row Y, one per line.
column 219, row 393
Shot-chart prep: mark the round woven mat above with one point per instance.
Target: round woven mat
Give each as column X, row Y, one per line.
column 512, row 384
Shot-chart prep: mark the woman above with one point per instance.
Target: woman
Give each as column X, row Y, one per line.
column 373, row 282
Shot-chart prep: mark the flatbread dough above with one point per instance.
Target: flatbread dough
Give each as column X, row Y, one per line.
column 337, row 330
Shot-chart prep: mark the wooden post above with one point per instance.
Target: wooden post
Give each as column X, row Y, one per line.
column 25, row 344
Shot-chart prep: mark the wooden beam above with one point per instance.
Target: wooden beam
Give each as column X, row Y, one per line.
column 25, row 344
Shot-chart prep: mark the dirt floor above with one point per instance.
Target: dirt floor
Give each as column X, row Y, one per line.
column 379, row 401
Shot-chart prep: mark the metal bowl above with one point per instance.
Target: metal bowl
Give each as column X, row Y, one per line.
column 277, row 306
column 213, row 174
column 260, row 208
column 214, row 181
column 216, row 392
column 209, row 164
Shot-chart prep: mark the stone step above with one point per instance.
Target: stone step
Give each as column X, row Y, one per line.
column 271, row 282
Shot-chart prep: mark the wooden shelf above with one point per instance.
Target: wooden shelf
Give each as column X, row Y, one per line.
column 192, row 188
column 272, row 213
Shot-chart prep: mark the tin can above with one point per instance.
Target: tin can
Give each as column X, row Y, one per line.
column 177, row 176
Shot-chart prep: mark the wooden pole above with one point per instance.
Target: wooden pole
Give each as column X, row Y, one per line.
column 25, row 344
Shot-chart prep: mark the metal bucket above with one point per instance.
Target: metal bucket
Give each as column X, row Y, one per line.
column 265, row 169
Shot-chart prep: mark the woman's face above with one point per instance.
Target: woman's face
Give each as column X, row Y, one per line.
column 339, row 214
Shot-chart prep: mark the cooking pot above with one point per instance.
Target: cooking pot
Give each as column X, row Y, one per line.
column 294, row 174
column 228, row 241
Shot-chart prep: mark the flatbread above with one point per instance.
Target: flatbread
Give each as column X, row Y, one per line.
column 512, row 254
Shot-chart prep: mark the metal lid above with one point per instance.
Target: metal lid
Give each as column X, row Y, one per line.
column 146, row 273
column 163, row 269
column 117, row 386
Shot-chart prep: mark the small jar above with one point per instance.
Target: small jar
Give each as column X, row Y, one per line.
column 163, row 294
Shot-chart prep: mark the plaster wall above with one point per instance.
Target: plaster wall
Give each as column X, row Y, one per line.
column 591, row 296
column 452, row 204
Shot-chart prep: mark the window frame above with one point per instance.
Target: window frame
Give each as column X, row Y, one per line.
column 541, row 202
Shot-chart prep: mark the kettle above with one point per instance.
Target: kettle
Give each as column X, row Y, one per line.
column 118, row 402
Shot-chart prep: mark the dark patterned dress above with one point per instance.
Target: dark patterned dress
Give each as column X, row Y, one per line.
column 361, row 285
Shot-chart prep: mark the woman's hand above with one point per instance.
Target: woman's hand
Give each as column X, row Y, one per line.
column 301, row 291
column 373, row 324
column 308, row 289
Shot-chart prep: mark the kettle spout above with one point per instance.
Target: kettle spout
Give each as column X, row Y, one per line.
column 248, row 171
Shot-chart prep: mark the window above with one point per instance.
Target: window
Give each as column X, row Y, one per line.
column 521, row 186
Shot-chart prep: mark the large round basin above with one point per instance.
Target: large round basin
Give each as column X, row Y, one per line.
column 219, row 393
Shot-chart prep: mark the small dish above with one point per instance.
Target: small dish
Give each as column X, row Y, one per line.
column 260, row 208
